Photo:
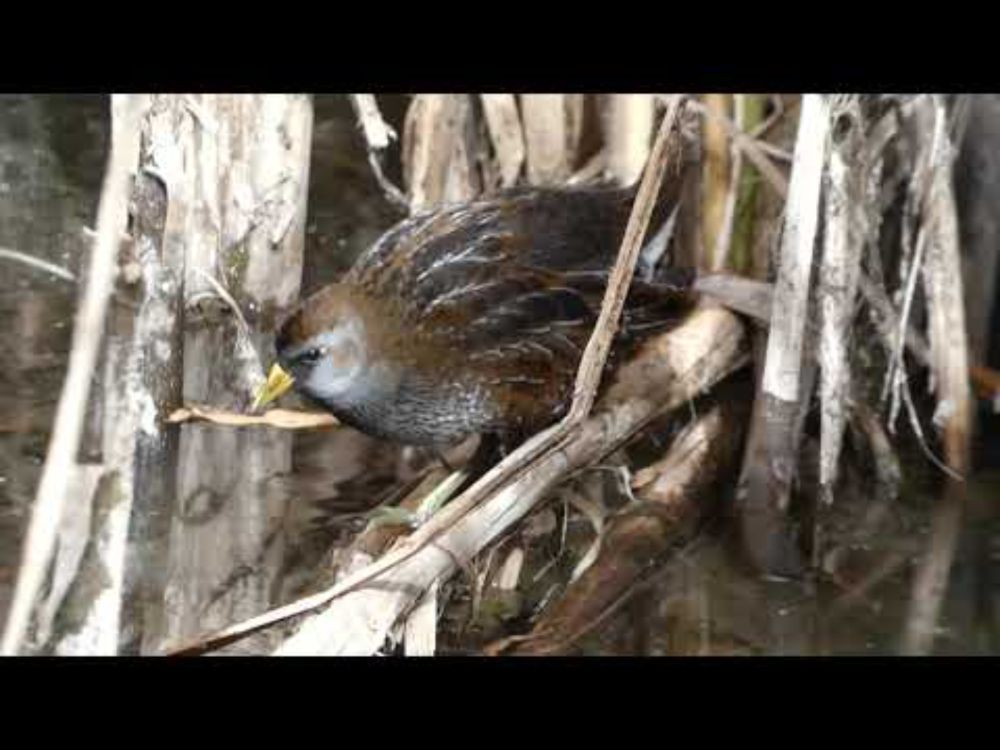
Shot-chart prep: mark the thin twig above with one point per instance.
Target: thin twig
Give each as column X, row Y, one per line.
column 87, row 335
column 42, row 265
column 887, row 323
column 753, row 149
column 911, row 412
column 377, row 132
column 779, row 111
column 897, row 367
column 377, row 135
column 596, row 354
column 227, row 298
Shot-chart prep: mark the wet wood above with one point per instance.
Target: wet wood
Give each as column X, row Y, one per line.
column 773, row 446
column 675, row 494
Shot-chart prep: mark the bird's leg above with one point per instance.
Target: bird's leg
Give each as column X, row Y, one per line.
column 490, row 450
column 487, row 453
column 442, row 460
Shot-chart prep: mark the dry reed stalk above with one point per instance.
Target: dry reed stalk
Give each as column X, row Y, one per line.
column 715, row 175
column 88, row 332
column 949, row 364
column 504, row 124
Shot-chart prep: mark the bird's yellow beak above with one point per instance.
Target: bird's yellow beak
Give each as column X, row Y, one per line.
column 278, row 383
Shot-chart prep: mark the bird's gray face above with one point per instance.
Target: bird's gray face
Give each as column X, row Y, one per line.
column 329, row 364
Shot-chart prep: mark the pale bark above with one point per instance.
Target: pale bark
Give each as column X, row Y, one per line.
column 551, row 133
column 185, row 531
column 437, row 157
column 238, row 207
column 506, row 133
column 845, row 236
column 628, row 132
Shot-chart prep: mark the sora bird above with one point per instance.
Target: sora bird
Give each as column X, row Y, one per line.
column 471, row 319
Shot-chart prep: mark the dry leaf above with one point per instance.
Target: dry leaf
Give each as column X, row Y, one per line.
column 283, row 419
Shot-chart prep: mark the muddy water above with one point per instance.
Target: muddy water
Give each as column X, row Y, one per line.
column 51, row 157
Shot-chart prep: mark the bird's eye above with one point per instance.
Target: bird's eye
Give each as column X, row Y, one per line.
column 311, row 355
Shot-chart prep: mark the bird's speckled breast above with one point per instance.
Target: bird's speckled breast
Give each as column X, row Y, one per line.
column 421, row 411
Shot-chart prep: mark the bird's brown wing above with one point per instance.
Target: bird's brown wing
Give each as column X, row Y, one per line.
column 514, row 285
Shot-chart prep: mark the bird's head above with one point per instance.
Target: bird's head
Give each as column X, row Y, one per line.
column 321, row 349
